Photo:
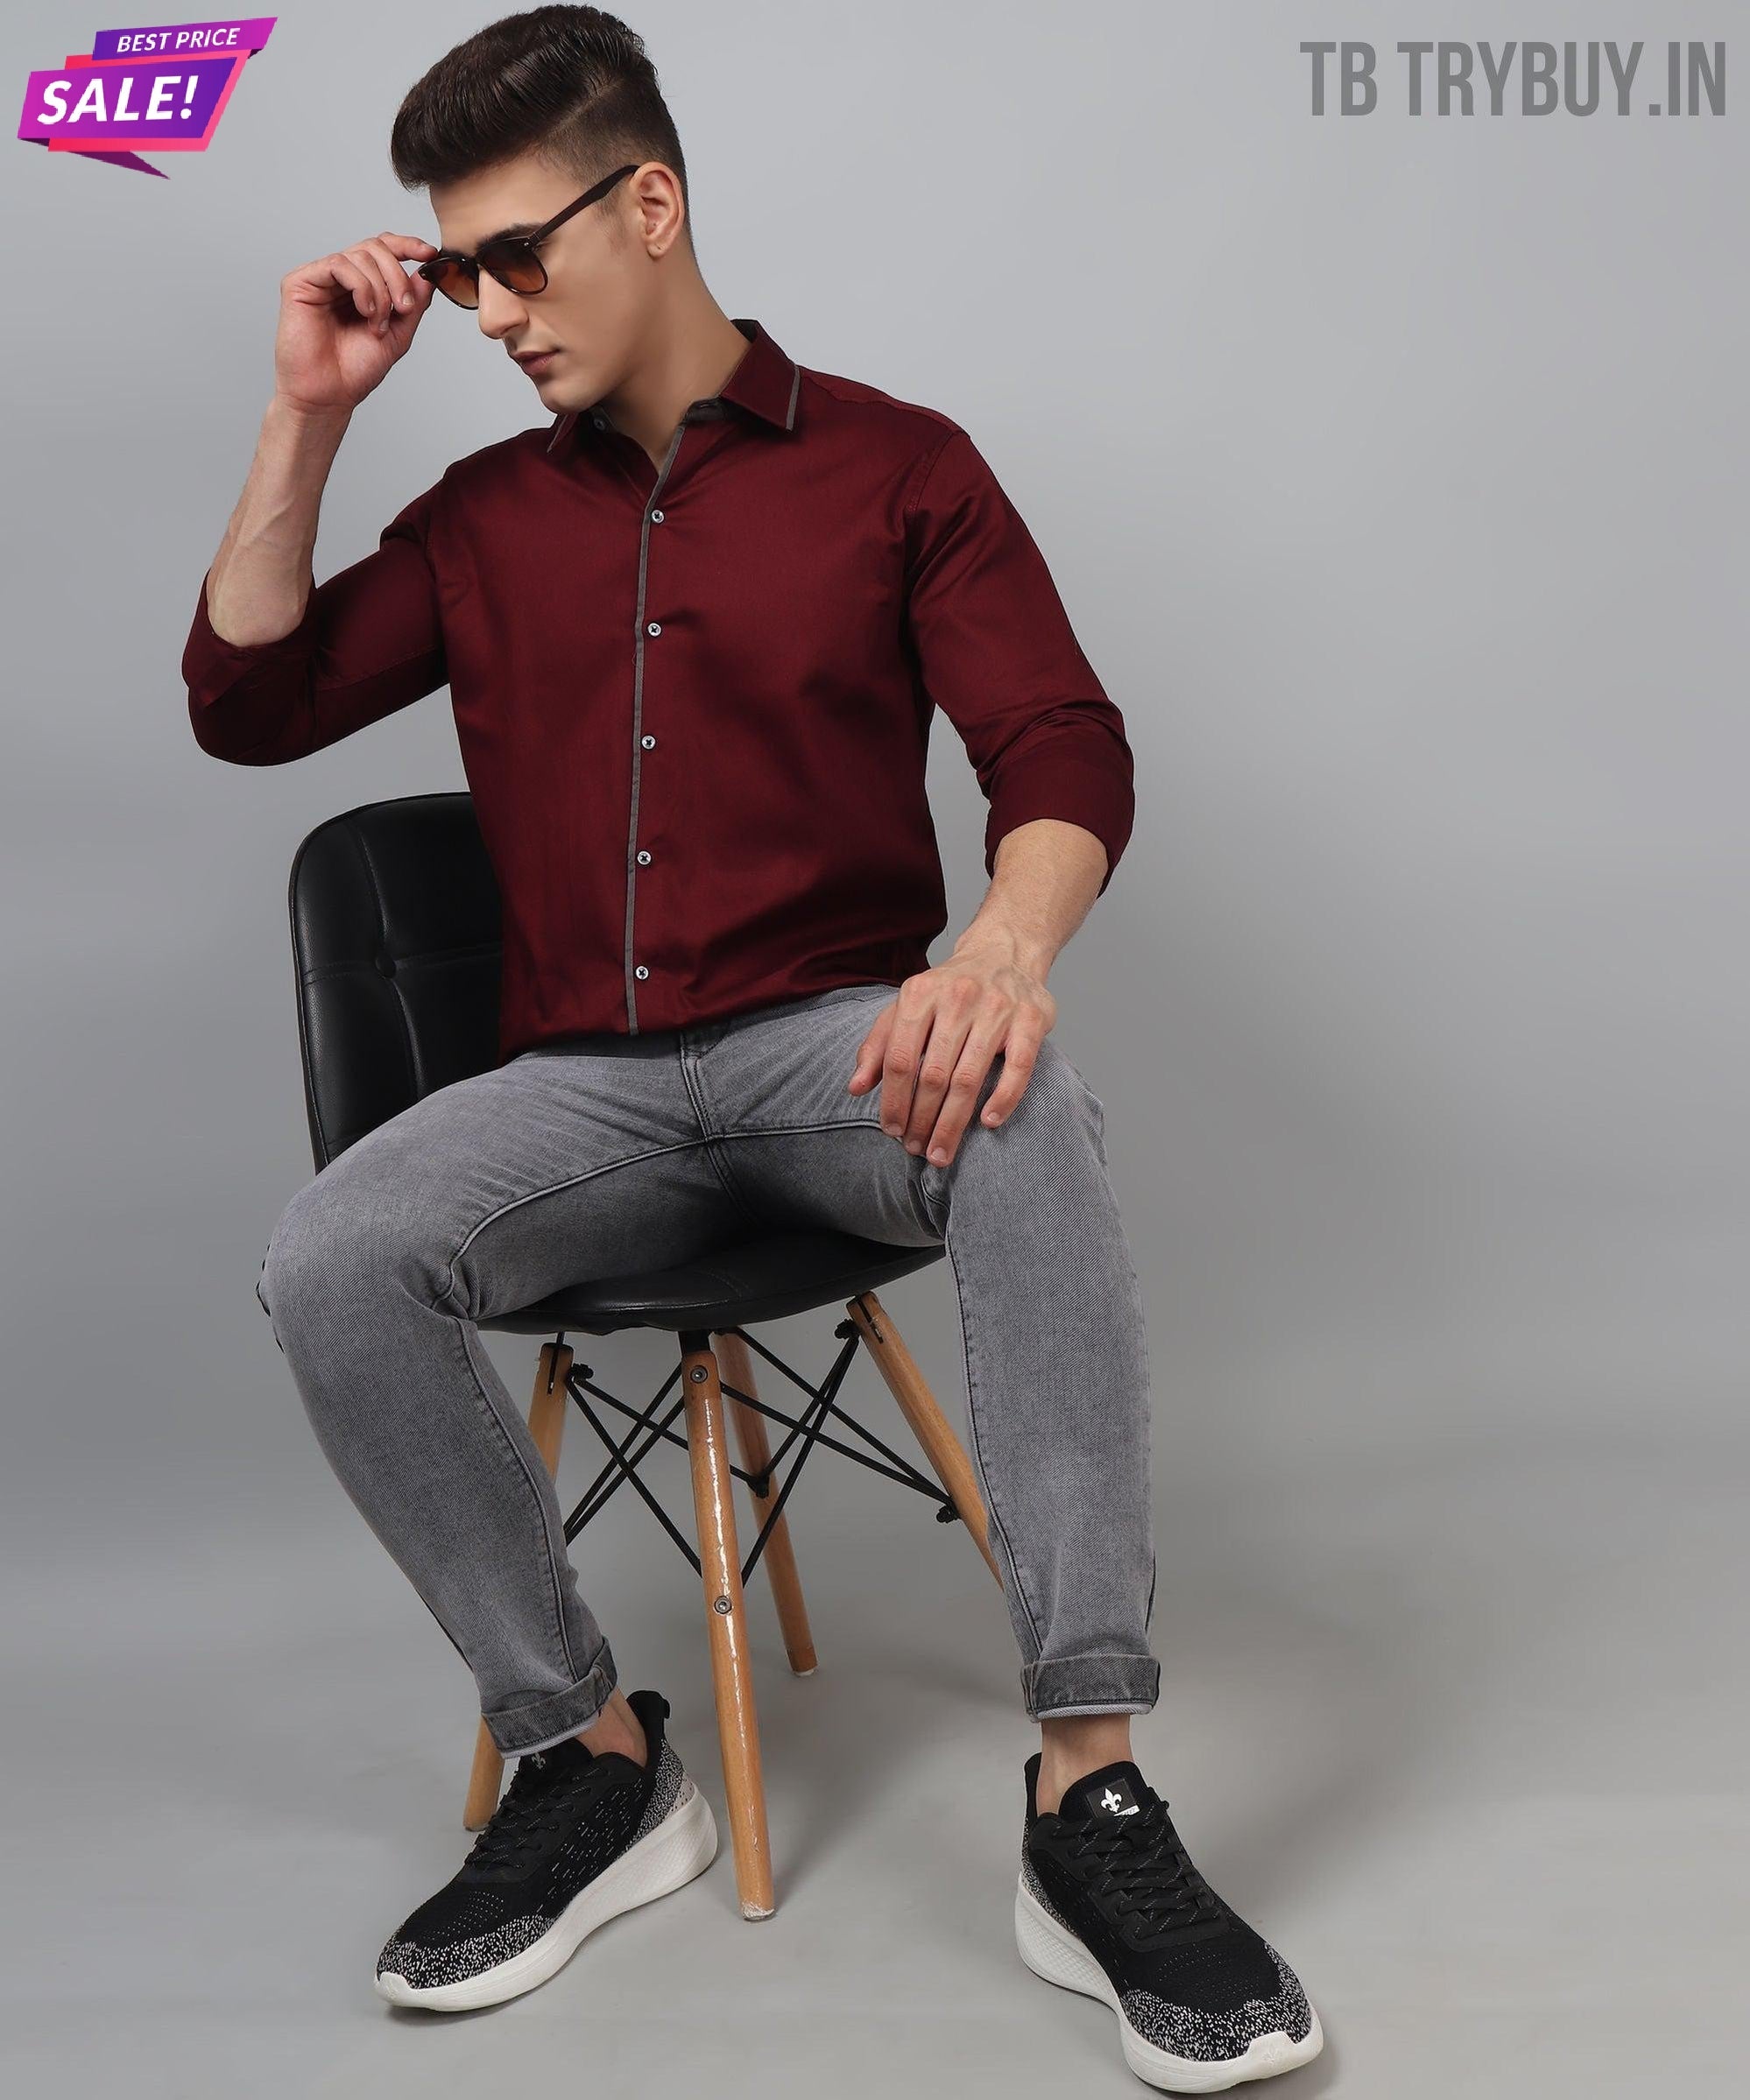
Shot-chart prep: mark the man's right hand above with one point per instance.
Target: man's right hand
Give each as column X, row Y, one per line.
column 345, row 319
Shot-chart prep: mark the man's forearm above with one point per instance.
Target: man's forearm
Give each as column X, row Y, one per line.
column 1045, row 878
column 261, row 575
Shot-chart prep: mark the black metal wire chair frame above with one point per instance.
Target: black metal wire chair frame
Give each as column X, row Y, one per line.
column 806, row 1430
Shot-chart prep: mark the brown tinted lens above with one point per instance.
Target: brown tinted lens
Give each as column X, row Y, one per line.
column 515, row 265
column 456, row 282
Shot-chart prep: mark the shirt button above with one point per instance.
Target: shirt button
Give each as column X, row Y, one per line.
column 641, row 972
column 601, row 422
column 653, row 627
column 643, row 860
column 656, row 518
column 649, row 742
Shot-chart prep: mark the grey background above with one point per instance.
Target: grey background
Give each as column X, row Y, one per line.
column 1393, row 472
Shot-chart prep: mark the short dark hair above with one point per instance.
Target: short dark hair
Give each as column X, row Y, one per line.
column 572, row 84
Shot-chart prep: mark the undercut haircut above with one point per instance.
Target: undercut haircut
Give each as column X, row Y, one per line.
column 572, row 85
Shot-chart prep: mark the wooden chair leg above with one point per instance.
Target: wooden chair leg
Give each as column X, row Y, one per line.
column 726, row 1616
column 547, row 1422
column 736, row 1364
column 917, row 1403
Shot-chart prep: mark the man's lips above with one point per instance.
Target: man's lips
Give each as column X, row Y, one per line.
column 526, row 358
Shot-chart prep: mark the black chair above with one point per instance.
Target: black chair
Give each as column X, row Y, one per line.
column 396, row 940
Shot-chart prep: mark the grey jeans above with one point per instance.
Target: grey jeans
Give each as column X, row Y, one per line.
column 607, row 1153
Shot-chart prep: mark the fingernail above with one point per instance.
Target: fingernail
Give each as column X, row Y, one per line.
column 940, row 1158
column 916, row 1145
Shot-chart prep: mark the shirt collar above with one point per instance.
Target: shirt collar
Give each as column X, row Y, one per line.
column 765, row 383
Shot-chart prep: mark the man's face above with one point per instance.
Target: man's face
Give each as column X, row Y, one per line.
column 598, row 273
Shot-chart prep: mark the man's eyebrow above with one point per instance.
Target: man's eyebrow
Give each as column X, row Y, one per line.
column 505, row 233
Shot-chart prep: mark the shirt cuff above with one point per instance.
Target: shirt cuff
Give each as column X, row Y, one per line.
column 206, row 651
column 1092, row 793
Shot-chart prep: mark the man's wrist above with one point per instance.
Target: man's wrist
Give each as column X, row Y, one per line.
column 318, row 427
column 992, row 941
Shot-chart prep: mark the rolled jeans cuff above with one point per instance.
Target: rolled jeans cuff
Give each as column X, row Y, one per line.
column 1090, row 1684
column 542, row 1723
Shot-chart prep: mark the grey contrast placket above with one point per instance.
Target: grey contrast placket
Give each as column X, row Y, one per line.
column 710, row 410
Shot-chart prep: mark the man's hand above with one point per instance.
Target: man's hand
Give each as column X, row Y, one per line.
column 933, row 1045
column 345, row 319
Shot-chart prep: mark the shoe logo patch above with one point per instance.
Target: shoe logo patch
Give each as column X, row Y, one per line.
column 1116, row 1799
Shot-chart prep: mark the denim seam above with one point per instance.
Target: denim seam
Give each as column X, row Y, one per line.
column 1094, row 1655
column 937, row 1213
column 534, row 1195
column 838, row 1123
column 1031, row 1670
column 929, row 1220
column 462, row 1328
column 1063, row 1713
column 787, row 1130
column 689, row 1079
column 994, row 1513
column 656, row 1152
column 720, row 1168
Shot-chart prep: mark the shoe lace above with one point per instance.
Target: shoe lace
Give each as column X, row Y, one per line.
column 534, row 1805
column 1145, row 1877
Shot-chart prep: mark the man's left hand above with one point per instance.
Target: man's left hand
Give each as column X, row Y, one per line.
column 932, row 1047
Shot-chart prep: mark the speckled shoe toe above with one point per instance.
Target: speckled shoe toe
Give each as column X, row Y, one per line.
column 1109, row 1904
column 575, row 1840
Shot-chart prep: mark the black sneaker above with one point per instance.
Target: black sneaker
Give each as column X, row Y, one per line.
column 1109, row 1904
column 576, row 1839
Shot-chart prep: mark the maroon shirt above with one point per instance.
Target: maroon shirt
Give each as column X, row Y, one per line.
column 693, row 702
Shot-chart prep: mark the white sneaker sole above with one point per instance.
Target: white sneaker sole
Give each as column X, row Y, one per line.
column 1060, row 1958
column 683, row 1845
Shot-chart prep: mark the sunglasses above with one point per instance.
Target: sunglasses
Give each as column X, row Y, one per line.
column 511, row 259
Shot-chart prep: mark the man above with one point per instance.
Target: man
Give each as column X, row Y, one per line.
column 693, row 629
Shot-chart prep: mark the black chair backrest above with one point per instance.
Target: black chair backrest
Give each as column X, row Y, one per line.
column 396, row 940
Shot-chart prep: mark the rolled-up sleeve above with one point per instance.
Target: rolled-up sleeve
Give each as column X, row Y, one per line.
column 369, row 641
column 996, row 653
